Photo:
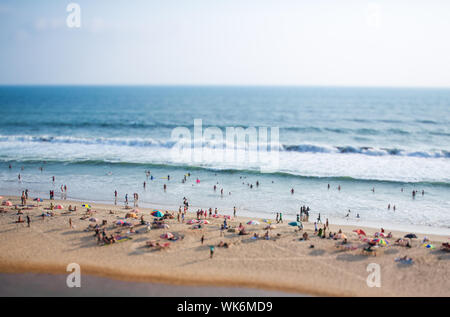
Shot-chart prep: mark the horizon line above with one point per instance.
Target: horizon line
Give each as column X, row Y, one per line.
column 222, row 85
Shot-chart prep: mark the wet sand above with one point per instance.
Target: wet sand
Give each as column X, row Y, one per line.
column 48, row 285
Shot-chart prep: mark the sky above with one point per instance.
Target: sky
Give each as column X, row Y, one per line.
column 227, row 42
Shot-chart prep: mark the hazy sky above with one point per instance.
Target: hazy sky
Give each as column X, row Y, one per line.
column 232, row 42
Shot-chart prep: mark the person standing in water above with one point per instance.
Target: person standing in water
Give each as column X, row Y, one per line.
column 234, row 211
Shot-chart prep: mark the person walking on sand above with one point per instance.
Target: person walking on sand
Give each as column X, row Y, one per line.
column 318, row 219
column 281, row 217
column 234, row 211
column 28, row 221
column 211, row 251
column 202, row 239
column 70, row 223
column 115, row 197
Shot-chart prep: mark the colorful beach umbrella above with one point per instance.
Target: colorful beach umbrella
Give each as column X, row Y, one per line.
column 429, row 246
column 253, row 222
column 267, row 221
column 131, row 215
column 157, row 214
column 360, row 232
column 294, row 223
column 59, row 207
column 205, row 222
column 86, row 206
column 192, row 221
column 380, row 241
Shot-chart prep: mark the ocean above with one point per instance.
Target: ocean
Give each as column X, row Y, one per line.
column 99, row 139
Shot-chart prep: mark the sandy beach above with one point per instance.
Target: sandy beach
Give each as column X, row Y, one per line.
column 282, row 263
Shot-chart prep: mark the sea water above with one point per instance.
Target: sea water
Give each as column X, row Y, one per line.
column 99, row 139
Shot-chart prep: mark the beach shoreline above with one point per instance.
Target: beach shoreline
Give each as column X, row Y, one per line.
column 284, row 264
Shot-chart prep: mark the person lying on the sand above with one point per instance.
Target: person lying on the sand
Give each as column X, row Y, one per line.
column 445, row 247
column 404, row 260
column 403, row 243
column 223, row 244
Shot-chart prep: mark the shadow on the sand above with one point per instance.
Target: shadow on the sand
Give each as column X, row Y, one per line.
column 73, row 232
column 441, row 255
column 391, row 251
column 351, row 257
column 317, row 252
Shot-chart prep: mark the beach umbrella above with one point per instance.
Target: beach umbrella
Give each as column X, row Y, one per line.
column 253, row 222
column 360, row 232
column 93, row 219
column 204, row 222
column 131, row 215
column 86, row 206
column 167, row 235
column 191, row 222
column 381, row 241
column 157, row 214
column 429, row 246
column 59, row 207
column 411, row 236
column 267, row 221
column 294, row 223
